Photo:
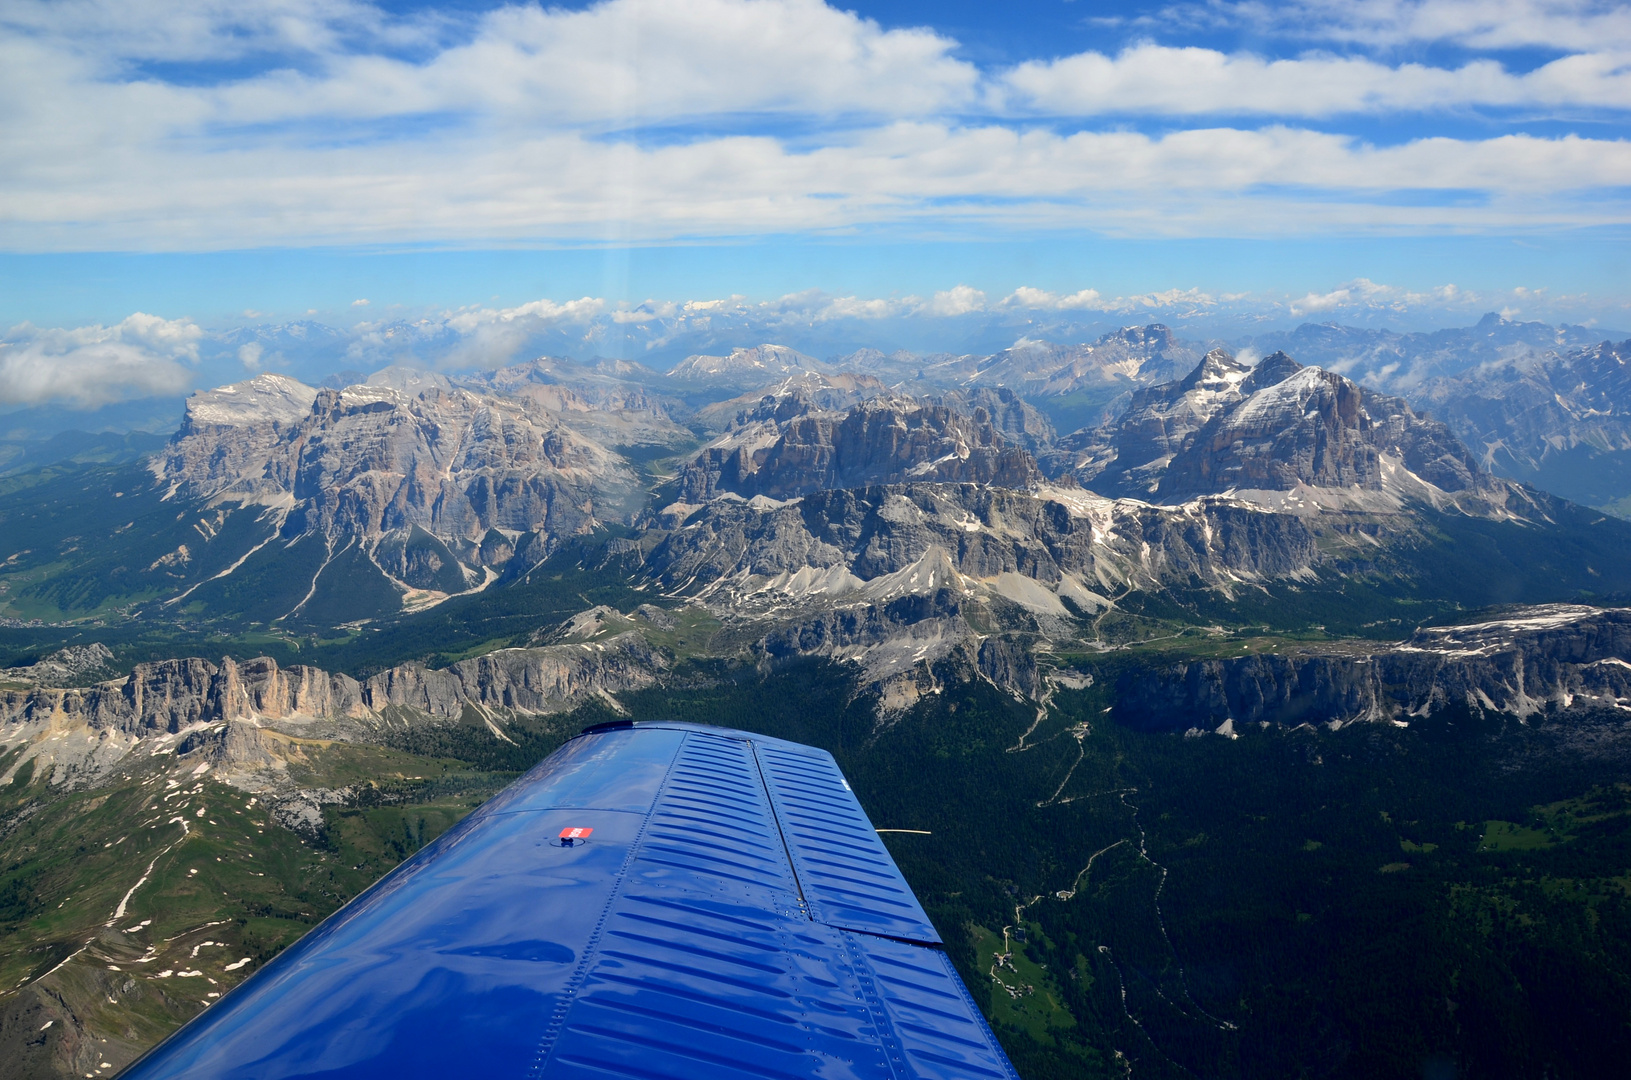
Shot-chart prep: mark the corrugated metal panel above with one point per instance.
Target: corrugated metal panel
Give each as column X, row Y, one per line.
column 709, row 965
column 674, row 944
column 848, row 878
column 937, row 1025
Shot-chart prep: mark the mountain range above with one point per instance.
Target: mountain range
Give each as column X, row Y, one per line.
column 312, row 594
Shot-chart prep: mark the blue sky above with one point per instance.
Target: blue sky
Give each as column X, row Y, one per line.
column 1409, row 160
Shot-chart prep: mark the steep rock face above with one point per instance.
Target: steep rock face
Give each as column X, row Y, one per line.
column 98, row 725
column 1015, row 419
column 1294, row 425
column 1274, row 426
column 171, row 695
column 1046, row 536
column 368, row 461
column 1128, row 459
column 872, row 443
column 1561, row 421
column 1554, row 657
column 1427, row 447
column 521, row 680
column 233, row 440
column 453, row 463
column 745, row 367
column 1129, row 357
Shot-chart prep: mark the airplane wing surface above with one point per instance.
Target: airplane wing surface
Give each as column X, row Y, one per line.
column 653, row 901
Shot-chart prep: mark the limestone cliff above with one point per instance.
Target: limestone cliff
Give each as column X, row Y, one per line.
column 85, row 731
column 1536, row 660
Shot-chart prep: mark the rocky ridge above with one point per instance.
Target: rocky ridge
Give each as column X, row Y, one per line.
column 370, row 464
column 84, row 732
column 1272, row 426
column 833, row 517
column 1531, row 662
column 1561, row 420
column 745, row 367
column 789, row 447
column 1123, row 359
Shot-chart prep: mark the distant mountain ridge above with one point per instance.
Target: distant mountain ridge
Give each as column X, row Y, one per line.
column 822, row 506
column 1047, row 573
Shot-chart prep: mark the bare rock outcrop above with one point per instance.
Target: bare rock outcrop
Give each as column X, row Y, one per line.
column 372, row 461
column 1537, row 660
column 1045, row 535
column 1274, row 426
column 784, row 456
column 87, row 731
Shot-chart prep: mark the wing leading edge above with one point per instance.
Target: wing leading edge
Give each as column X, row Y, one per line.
column 732, row 915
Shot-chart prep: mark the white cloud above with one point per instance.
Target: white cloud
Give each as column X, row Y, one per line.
column 1150, row 78
column 1177, row 300
column 1083, row 300
column 567, row 187
column 959, row 300
column 614, row 64
column 1478, row 24
column 93, row 365
column 249, row 355
column 1367, row 295
column 512, row 127
column 489, row 337
column 533, row 312
column 814, row 305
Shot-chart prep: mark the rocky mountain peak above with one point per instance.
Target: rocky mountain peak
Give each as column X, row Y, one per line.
column 1020, row 422
column 882, row 441
column 418, row 482
column 1154, row 338
column 409, row 380
column 1218, row 369
column 1291, row 426
column 265, row 399
column 745, row 366
column 1272, row 427
column 1130, row 456
column 1272, row 370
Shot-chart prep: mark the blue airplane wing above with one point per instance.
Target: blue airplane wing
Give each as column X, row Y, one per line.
column 729, row 914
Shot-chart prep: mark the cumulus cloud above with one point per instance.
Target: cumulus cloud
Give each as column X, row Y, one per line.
column 90, row 366
column 961, row 300
column 1082, row 300
column 475, row 337
column 1365, row 294
column 1150, row 78
column 613, row 64
column 530, row 124
column 1175, row 300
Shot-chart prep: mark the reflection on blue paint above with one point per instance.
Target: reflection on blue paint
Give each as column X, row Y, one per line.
column 733, row 914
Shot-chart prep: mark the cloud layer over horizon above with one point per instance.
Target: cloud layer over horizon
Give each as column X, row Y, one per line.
column 144, row 356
